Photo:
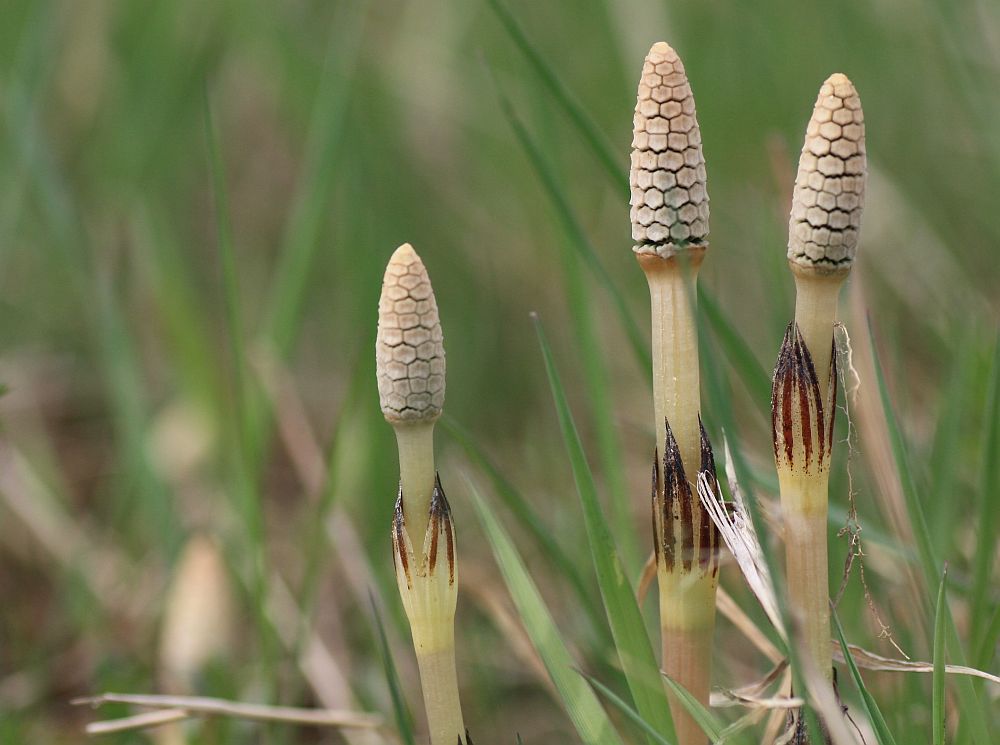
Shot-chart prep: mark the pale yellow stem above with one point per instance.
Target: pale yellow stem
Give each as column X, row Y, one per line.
column 676, row 380
column 804, row 493
column 440, row 686
column 415, row 441
column 687, row 620
column 804, row 508
column 687, row 598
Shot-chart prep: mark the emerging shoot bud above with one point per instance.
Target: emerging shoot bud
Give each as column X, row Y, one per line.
column 199, row 615
column 428, row 579
column 428, row 585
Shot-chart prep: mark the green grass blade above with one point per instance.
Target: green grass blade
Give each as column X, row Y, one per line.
column 989, row 504
column 937, row 686
column 882, row 733
column 598, row 389
column 624, row 617
column 755, row 377
column 984, row 653
column 575, row 233
column 532, row 522
column 625, row 708
column 918, row 521
column 311, row 203
column 400, row 712
column 749, row 369
column 708, row 722
column 246, row 488
column 973, row 711
column 946, row 461
column 581, row 703
column 599, row 143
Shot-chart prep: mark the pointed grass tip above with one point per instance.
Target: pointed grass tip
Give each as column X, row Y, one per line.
column 669, row 197
column 801, row 420
column 829, row 192
column 683, row 531
column 409, row 345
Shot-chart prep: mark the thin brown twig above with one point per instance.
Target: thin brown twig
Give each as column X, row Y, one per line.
column 138, row 721
column 852, row 525
column 738, row 617
column 198, row 705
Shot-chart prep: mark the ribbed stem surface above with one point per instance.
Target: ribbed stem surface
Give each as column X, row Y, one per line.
column 676, row 380
column 815, row 313
column 804, row 507
column 416, row 474
column 440, row 687
column 687, row 595
column 687, row 620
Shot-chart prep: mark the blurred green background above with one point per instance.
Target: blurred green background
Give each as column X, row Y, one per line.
column 173, row 368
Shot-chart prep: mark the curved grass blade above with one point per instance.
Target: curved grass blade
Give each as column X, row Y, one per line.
column 575, row 233
column 598, row 388
column 595, row 138
column 404, row 720
column 246, row 483
column 988, row 514
column 708, row 722
column 311, row 201
column 882, row 733
column 625, row 708
column 984, row 654
column 972, row 709
column 624, row 617
column 937, row 685
column 580, row 701
column 755, row 378
column 530, row 520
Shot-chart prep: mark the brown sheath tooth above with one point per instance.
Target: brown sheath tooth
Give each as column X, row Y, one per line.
column 676, row 508
column 399, row 538
column 441, row 522
column 801, row 421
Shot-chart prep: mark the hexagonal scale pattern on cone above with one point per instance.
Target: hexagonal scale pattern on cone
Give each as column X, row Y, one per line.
column 409, row 348
column 830, row 185
column 669, row 203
